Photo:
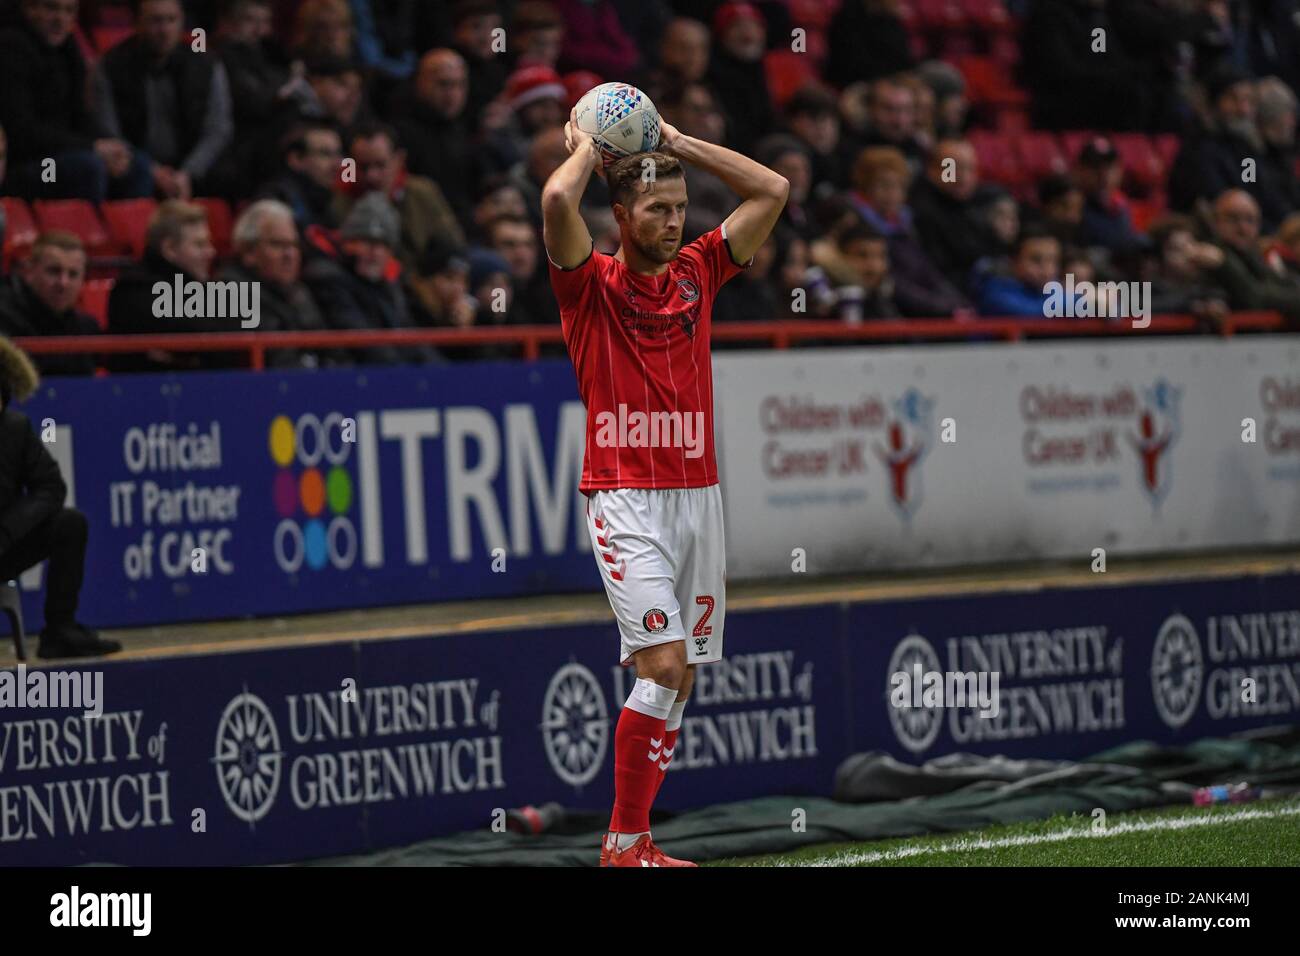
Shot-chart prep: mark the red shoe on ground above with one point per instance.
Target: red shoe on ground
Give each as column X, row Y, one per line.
column 641, row 853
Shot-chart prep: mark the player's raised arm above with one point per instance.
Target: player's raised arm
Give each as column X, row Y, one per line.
column 763, row 191
column 564, row 233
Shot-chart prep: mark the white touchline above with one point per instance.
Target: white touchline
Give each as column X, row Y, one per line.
column 857, row 858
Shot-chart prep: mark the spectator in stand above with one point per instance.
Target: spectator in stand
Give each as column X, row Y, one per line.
column 1278, row 186
column 870, row 294
column 439, row 288
column 384, row 36
column 1179, row 271
column 867, row 41
column 545, row 154
column 357, row 282
column 1283, row 253
column 812, row 116
column 535, row 96
column 1156, row 36
column 474, row 31
column 34, row 524
column 693, row 110
column 312, row 154
column 892, row 120
column 166, row 100
column 1061, row 204
column 1106, row 219
column 683, row 58
column 788, row 156
column 537, row 33
column 178, row 247
column 268, row 251
column 881, row 178
column 421, row 206
column 790, row 271
column 256, row 80
column 1000, row 213
column 45, row 109
column 1022, row 289
column 1245, row 275
column 332, row 89
column 1210, row 160
column 493, row 293
column 946, row 208
column 41, row 299
column 948, row 87
column 751, row 297
column 323, row 30
column 594, row 39
column 515, row 239
column 434, row 126
column 497, row 197
column 737, row 75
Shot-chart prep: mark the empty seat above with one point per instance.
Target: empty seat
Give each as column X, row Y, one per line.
column 1040, row 153
column 77, row 216
column 20, row 228
column 128, row 221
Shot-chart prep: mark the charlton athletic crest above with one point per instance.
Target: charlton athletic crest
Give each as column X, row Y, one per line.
column 689, row 291
column 654, row 620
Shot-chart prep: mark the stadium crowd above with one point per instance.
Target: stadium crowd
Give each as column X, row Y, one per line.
column 378, row 163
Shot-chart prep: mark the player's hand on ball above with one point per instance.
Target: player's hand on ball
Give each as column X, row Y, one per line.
column 575, row 138
column 668, row 136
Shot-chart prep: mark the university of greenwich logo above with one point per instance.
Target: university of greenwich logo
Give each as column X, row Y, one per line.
column 1177, row 671
column 248, row 757
column 915, row 726
column 575, row 724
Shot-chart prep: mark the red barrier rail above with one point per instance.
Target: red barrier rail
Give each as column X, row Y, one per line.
column 531, row 337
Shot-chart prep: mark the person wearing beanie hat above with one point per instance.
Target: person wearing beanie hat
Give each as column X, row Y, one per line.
column 358, row 283
column 532, row 101
column 34, row 524
column 736, row 73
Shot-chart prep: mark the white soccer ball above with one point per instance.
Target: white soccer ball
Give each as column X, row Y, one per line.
column 620, row 118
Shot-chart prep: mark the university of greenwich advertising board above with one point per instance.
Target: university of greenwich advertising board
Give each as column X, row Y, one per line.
column 842, row 460
column 347, row 747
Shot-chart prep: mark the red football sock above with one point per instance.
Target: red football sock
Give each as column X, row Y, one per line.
column 670, row 742
column 639, row 740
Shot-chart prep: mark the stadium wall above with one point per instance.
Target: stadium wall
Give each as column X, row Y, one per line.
column 348, row 746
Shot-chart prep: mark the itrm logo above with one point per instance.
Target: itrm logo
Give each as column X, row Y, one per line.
column 313, row 492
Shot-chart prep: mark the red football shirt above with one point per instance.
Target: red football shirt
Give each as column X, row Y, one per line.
column 640, row 348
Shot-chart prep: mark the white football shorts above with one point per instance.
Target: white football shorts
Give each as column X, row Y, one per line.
column 662, row 556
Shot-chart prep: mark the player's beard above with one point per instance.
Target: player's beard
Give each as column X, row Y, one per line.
column 658, row 251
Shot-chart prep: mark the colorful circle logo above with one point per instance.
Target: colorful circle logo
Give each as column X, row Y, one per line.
column 312, row 491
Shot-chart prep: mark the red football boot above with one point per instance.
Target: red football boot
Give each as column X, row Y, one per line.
column 643, row 853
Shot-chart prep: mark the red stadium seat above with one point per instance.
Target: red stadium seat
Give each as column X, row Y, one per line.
column 998, row 162
column 1168, row 145
column 94, row 299
column 20, row 228
column 988, row 16
column 1073, row 140
column 220, row 223
column 1040, row 154
column 989, row 81
column 1144, row 168
column 128, row 220
column 786, row 73
column 108, row 37
column 77, row 216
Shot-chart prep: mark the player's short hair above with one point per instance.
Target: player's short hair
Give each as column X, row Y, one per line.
column 624, row 176
column 57, row 239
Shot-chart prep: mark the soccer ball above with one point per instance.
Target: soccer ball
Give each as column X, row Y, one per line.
column 620, row 118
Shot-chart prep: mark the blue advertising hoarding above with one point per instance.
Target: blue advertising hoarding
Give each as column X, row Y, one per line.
column 345, row 746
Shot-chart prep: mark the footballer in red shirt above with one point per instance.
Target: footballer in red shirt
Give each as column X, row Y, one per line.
column 637, row 325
